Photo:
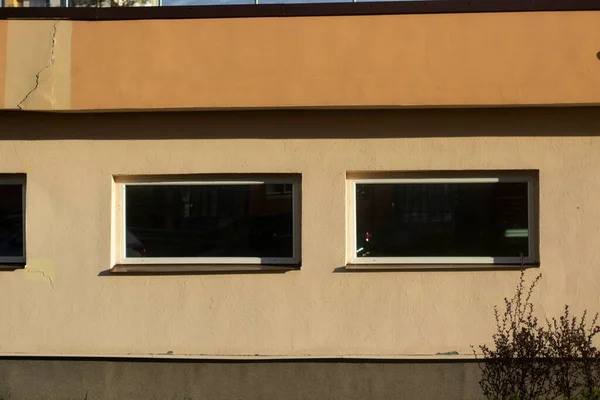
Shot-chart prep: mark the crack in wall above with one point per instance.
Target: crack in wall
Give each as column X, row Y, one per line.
column 17, row 152
column 47, row 66
column 45, row 275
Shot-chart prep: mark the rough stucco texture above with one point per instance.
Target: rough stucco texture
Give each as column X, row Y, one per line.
column 64, row 303
column 395, row 60
column 3, row 41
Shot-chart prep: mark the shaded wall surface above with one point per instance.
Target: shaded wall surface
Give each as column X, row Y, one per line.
column 65, row 302
column 58, row 379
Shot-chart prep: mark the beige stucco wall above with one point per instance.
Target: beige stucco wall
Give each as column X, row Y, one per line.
column 3, row 32
column 342, row 61
column 62, row 303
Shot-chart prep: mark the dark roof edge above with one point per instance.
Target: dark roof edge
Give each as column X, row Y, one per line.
column 298, row 10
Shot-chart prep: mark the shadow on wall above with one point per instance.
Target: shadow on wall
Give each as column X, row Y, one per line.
column 211, row 379
column 292, row 124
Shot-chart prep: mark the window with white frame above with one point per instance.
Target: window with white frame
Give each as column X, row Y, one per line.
column 207, row 221
column 12, row 219
column 463, row 219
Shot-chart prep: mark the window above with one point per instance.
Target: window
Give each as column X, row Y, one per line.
column 12, row 219
column 475, row 219
column 208, row 221
column 279, row 189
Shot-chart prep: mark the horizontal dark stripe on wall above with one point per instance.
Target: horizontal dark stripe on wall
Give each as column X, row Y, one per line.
column 59, row 379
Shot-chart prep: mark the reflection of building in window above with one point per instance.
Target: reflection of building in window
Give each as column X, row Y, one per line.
column 80, row 3
column 32, row 3
column 112, row 3
column 278, row 189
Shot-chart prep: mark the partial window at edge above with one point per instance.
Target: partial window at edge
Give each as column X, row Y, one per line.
column 210, row 222
column 475, row 220
column 12, row 219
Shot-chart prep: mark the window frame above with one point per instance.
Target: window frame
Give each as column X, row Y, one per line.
column 407, row 262
column 213, row 263
column 17, row 180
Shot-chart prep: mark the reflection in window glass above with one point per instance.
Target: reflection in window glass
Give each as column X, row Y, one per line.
column 33, row 3
column 204, row 2
column 442, row 219
column 278, row 189
column 80, row 3
column 232, row 220
column 112, row 3
column 11, row 222
column 301, row 1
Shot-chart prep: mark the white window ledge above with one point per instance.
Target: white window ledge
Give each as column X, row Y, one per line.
column 434, row 267
column 206, row 268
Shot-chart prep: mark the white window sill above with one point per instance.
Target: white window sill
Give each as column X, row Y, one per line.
column 437, row 267
column 205, row 268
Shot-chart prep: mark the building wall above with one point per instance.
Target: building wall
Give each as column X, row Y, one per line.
column 38, row 65
column 3, row 41
column 525, row 58
column 66, row 302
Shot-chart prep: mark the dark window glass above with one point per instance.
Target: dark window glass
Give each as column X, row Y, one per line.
column 278, row 189
column 442, row 220
column 11, row 221
column 239, row 220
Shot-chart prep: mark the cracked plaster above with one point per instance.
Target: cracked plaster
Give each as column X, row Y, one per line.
column 37, row 76
column 38, row 65
column 40, row 269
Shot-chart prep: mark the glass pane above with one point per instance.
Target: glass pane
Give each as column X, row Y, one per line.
column 11, row 220
column 278, row 189
column 208, row 221
column 204, row 2
column 442, row 220
column 34, row 3
column 79, row 3
column 362, row 1
column 301, row 1
column 112, row 3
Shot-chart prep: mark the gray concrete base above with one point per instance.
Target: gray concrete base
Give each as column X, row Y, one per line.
column 91, row 379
